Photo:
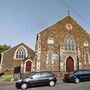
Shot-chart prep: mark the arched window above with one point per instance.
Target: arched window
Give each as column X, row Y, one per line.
column 20, row 53
column 69, row 43
column 50, row 55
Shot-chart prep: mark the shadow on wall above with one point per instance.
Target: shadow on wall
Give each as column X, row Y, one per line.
column 1, row 74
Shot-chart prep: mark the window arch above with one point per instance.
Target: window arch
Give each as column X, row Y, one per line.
column 20, row 53
column 69, row 43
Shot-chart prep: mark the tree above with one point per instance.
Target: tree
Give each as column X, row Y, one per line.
column 3, row 48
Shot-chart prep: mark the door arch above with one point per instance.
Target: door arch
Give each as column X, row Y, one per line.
column 28, row 66
column 69, row 64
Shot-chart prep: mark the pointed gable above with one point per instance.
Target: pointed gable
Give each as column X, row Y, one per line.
column 61, row 25
column 62, row 28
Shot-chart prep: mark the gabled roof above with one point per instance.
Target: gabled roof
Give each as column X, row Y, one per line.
column 21, row 44
column 65, row 20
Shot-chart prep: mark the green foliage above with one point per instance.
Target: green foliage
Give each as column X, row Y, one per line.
column 3, row 48
column 7, row 78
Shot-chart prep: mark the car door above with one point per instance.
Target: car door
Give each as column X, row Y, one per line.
column 35, row 79
column 44, row 78
column 80, row 75
column 87, row 75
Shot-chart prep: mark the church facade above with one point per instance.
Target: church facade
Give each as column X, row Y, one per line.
column 63, row 47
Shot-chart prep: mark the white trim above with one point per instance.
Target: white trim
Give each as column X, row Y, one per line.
column 21, row 46
column 61, row 66
column 89, row 59
column 1, row 61
column 38, row 65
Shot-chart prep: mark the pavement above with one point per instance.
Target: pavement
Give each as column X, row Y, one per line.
column 7, row 83
column 59, row 79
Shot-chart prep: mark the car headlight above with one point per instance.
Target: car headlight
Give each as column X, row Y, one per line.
column 27, row 79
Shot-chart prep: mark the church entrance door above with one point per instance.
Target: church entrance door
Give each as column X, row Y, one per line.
column 28, row 66
column 69, row 64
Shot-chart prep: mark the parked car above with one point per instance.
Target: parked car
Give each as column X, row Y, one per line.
column 77, row 76
column 38, row 78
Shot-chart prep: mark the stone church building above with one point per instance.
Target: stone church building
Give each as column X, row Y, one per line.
column 20, row 55
column 64, row 46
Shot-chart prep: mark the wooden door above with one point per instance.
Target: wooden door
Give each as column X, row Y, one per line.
column 69, row 64
column 28, row 66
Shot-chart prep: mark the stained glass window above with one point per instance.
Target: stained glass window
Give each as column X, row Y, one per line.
column 69, row 43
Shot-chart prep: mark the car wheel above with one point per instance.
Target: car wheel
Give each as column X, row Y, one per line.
column 23, row 86
column 77, row 80
column 51, row 83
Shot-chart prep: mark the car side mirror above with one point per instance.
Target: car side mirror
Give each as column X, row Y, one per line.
column 31, row 77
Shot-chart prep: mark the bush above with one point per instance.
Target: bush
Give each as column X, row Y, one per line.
column 7, row 78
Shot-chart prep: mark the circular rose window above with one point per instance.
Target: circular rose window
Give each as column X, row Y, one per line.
column 69, row 26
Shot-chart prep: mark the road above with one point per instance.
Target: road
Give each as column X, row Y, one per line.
column 59, row 86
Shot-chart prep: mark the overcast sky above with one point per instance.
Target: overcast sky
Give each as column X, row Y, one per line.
column 21, row 20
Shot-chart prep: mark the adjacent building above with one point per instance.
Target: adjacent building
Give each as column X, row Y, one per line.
column 19, row 56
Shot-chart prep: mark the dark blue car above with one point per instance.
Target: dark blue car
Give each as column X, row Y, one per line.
column 77, row 76
column 37, row 79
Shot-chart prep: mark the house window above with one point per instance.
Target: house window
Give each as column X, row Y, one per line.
column 20, row 53
column 69, row 43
